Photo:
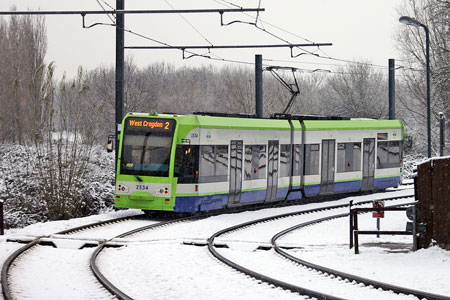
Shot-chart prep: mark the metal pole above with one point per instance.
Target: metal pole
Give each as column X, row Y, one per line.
column 441, row 133
column 259, row 85
column 2, row 223
column 414, row 228
column 184, row 47
column 120, row 90
column 427, row 35
column 391, row 89
column 378, row 227
column 351, row 224
column 134, row 11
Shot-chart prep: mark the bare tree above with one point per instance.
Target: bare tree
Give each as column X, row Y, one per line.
column 356, row 91
column 23, row 43
column 435, row 14
column 63, row 154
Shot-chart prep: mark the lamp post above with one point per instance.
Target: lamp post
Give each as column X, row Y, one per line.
column 415, row 23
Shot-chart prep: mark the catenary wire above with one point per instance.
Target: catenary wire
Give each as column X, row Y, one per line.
column 325, row 56
column 190, row 24
column 112, row 18
column 218, row 58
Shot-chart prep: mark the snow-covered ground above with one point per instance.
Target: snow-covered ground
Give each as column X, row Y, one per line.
column 159, row 265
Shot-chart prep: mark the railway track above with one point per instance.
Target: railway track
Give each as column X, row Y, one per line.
column 101, row 235
column 35, row 247
column 342, row 275
column 113, row 289
column 327, row 276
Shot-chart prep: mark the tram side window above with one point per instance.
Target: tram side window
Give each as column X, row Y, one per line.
column 261, row 153
column 255, row 162
column 213, row 163
column 388, row 154
column 312, row 159
column 285, row 160
column 248, row 163
column 348, row 157
column 222, row 161
column 356, row 156
column 186, row 164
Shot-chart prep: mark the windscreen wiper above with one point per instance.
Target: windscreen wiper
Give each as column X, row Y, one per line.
column 138, row 178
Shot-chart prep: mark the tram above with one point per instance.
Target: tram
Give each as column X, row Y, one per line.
column 203, row 162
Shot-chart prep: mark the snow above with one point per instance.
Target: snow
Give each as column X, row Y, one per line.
column 172, row 262
column 57, row 276
column 386, row 259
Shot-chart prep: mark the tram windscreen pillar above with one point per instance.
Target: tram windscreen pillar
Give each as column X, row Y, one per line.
column 120, row 94
column 391, row 89
column 259, row 85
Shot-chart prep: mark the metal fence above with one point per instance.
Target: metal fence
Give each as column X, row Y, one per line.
column 432, row 189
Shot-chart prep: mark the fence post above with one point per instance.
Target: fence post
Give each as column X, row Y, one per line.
column 356, row 243
column 351, row 223
column 414, row 227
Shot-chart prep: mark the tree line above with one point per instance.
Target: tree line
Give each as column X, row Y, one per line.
column 62, row 119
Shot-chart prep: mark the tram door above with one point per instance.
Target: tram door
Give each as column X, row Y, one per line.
column 272, row 171
column 236, row 148
column 327, row 170
column 368, row 164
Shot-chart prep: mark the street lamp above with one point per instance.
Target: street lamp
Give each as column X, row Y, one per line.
column 412, row 22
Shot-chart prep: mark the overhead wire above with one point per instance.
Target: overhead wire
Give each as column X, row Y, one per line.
column 258, row 18
column 257, row 13
column 216, row 58
column 192, row 54
column 198, row 31
column 261, row 27
column 112, row 18
column 189, row 23
column 325, row 56
column 187, row 51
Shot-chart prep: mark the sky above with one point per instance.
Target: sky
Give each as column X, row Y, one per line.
column 360, row 30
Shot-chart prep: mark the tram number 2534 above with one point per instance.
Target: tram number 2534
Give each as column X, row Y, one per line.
column 141, row 187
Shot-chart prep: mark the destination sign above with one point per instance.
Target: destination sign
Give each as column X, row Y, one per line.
column 150, row 124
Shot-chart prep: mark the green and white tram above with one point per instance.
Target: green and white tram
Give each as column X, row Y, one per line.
column 190, row 163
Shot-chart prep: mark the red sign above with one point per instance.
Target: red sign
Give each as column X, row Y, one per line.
column 378, row 205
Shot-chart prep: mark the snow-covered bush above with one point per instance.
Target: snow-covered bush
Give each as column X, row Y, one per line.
column 410, row 162
column 23, row 191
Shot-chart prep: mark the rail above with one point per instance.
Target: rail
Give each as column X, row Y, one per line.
column 343, row 275
column 270, row 280
column 6, row 290
column 7, row 293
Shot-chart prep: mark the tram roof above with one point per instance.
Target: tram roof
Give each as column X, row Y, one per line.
column 247, row 122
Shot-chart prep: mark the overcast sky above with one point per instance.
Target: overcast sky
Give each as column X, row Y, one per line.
column 358, row 29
